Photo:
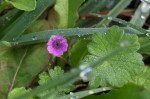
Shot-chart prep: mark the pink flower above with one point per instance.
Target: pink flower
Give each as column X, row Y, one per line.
column 57, row 45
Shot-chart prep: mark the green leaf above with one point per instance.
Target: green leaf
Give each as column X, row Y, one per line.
column 8, row 66
column 78, row 52
column 143, row 78
column 44, row 78
column 56, row 72
column 25, row 73
column 52, row 74
column 31, row 61
column 129, row 91
column 121, row 68
column 145, row 45
column 21, row 23
column 66, row 13
column 4, row 46
column 4, row 78
column 6, row 18
column 27, row 5
column 17, row 92
column 74, row 32
column 9, row 63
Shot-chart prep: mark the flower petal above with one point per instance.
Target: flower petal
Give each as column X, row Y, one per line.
column 57, row 45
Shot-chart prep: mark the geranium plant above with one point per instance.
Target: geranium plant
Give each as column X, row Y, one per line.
column 74, row 49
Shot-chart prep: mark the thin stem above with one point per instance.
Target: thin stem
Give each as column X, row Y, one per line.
column 65, row 60
column 14, row 78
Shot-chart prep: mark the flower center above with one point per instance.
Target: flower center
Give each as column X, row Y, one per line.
column 57, row 44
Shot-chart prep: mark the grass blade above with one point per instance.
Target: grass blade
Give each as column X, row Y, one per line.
column 83, row 94
column 25, row 19
column 139, row 17
column 43, row 36
column 123, row 22
column 115, row 11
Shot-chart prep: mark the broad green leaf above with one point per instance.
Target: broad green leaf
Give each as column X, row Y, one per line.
column 145, row 45
column 12, row 58
column 143, row 78
column 27, row 5
column 8, row 66
column 17, row 92
column 121, row 68
column 129, row 91
column 31, row 60
column 4, row 78
column 65, row 13
column 78, row 52
column 10, row 61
